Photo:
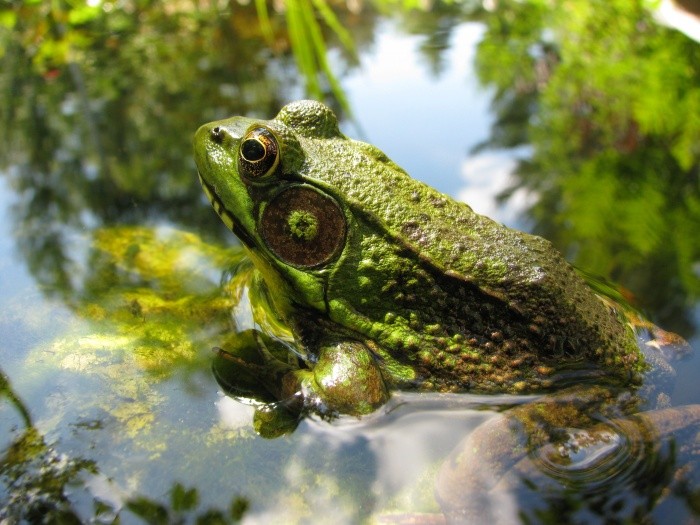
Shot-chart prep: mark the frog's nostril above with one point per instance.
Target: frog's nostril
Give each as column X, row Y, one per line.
column 217, row 135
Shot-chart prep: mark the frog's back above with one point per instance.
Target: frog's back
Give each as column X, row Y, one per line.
column 522, row 274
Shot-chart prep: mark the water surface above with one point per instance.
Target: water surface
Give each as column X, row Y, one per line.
column 112, row 259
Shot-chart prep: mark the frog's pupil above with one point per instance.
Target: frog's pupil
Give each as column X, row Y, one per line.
column 258, row 155
column 252, row 150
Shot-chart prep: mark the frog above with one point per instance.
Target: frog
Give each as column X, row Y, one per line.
column 361, row 281
column 384, row 283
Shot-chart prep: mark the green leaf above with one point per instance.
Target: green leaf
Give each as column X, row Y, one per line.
column 8, row 18
column 333, row 22
column 183, row 499
column 319, row 47
column 150, row 511
column 83, row 14
column 239, row 506
column 264, row 20
column 301, row 46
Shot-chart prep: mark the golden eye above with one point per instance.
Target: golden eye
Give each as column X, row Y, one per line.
column 259, row 154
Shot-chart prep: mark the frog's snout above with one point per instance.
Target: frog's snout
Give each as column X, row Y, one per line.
column 210, row 133
column 222, row 132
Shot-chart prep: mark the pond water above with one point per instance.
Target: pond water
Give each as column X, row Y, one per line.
column 540, row 116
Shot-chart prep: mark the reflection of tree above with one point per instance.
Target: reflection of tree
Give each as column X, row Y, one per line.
column 100, row 107
column 182, row 508
column 35, row 475
column 609, row 103
column 36, row 481
column 435, row 25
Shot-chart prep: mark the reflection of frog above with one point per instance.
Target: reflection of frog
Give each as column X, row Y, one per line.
column 386, row 283
column 576, row 456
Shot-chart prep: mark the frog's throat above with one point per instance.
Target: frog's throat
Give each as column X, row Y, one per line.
column 218, row 206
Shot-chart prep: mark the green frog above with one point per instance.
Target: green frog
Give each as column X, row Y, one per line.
column 361, row 280
column 385, row 283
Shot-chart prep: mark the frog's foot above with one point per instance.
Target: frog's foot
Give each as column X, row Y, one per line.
column 259, row 383
column 346, row 379
column 495, row 477
column 245, row 375
column 274, row 420
column 240, row 378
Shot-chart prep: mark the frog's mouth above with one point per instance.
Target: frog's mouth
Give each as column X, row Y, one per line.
column 225, row 215
column 216, row 203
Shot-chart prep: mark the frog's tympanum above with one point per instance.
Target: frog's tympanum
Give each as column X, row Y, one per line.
column 386, row 283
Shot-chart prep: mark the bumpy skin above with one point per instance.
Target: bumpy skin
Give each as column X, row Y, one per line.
column 386, row 282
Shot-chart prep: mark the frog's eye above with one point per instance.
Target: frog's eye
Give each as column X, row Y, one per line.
column 303, row 227
column 259, row 154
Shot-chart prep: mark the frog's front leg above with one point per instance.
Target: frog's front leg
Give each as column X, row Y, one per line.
column 345, row 379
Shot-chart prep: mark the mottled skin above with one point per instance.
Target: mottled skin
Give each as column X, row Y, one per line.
column 387, row 283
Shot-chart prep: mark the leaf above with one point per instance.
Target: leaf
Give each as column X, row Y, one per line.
column 183, row 499
column 212, row 517
column 239, row 506
column 8, row 18
column 150, row 511
column 319, row 46
column 83, row 14
column 333, row 22
column 301, row 46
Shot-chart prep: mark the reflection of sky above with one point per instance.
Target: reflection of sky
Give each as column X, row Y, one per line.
column 13, row 275
column 486, row 175
column 398, row 449
column 428, row 124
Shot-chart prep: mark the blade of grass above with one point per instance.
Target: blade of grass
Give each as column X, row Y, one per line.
column 264, row 20
column 301, row 43
column 318, row 46
column 332, row 21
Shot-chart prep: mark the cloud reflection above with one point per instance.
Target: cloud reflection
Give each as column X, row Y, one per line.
column 487, row 175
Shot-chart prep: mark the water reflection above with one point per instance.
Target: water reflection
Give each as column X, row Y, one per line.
column 628, row 469
column 34, row 473
column 634, row 470
column 610, row 118
column 40, row 481
column 113, row 395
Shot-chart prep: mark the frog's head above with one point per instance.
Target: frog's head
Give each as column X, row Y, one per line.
column 256, row 174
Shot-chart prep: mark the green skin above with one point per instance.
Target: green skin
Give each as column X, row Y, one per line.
column 386, row 283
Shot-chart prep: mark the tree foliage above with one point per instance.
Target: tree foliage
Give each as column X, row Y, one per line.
column 608, row 102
